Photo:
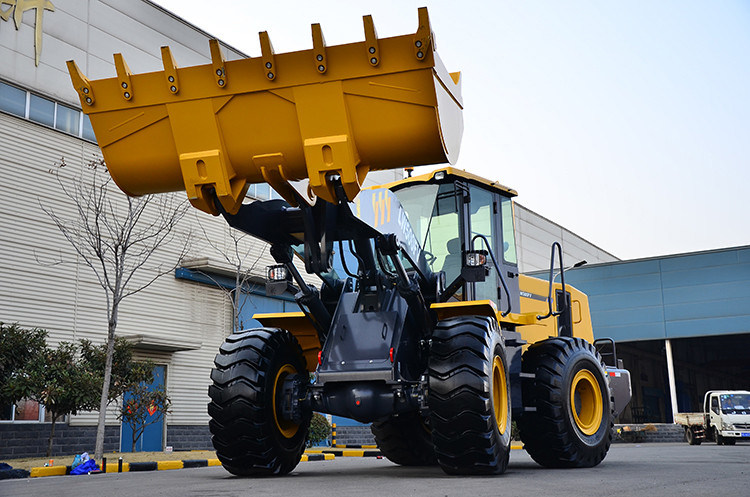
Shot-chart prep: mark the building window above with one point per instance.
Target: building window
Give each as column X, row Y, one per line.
column 12, row 100
column 262, row 191
column 45, row 111
column 67, row 119
column 26, row 410
column 88, row 131
column 42, row 110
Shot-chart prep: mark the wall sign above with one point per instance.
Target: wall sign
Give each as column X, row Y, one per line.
column 16, row 8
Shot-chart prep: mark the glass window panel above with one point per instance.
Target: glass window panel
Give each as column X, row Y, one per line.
column 67, row 119
column 12, row 100
column 482, row 223
column 27, row 410
column 263, row 191
column 48, row 416
column 509, row 234
column 250, row 191
column 42, row 110
column 88, row 131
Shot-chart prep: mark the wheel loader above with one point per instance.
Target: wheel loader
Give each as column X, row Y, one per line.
column 421, row 323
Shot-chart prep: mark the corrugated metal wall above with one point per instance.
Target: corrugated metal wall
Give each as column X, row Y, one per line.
column 65, row 298
column 689, row 295
column 535, row 234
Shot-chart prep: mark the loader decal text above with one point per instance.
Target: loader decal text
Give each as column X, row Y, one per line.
column 16, row 8
column 381, row 208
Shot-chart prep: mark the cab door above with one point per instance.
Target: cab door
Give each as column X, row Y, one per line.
column 491, row 216
column 715, row 413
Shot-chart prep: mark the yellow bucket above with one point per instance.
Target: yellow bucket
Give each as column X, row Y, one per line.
column 341, row 110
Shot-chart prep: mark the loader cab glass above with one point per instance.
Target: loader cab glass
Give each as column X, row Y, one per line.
column 447, row 216
column 433, row 213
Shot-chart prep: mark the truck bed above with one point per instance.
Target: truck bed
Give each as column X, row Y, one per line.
column 688, row 418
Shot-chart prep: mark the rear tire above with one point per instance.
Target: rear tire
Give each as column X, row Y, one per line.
column 405, row 439
column 572, row 424
column 249, row 435
column 691, row 438
column 469, row 396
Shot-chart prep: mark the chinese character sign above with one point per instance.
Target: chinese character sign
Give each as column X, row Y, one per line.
column 16, row 8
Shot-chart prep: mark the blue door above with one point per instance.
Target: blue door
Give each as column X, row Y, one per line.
column 152, row 438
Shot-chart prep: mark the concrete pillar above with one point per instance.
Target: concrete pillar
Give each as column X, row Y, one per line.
column 670, row 374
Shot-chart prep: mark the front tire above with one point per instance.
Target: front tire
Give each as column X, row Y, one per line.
column 572, row 424
column 405, row 439
column 469, row 396
column 249, row 434
column 721, row 440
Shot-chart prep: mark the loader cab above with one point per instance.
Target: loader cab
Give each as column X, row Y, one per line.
column 447, row 210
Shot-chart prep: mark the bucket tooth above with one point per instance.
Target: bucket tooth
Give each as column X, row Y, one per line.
column 217, row 62
column 267, row 55
column 423, row 38
column 371, row 41
column 123, row 76
column 319, row 49
column 81, row 83
column 170, row 70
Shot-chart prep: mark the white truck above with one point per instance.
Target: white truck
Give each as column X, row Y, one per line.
column 724, row 420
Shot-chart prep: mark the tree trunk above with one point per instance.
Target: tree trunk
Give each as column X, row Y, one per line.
column 51, row 436
column 99, row 448
column 136, row 436
column 237, row 295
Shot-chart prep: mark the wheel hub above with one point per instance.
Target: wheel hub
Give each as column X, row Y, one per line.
column 586, row 402
column 500, row 394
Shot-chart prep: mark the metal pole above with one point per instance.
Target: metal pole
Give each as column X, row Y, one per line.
column 670, row 373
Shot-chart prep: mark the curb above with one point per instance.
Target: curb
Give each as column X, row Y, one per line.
column 159, row 465
column 337, row 446
column 347, row 452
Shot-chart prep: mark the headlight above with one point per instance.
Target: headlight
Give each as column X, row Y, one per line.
column 726, row 426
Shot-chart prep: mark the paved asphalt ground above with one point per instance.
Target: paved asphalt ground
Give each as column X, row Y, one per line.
column 629, row 470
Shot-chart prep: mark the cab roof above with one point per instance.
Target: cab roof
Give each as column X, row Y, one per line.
column 446, row 173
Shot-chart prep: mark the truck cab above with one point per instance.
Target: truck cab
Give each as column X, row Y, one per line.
column 727, row 415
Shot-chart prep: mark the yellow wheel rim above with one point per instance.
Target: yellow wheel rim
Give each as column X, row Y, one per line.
column 586, row 402
column 500, row 394
column 287, row 428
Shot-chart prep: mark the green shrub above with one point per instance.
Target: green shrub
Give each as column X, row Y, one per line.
column 320, row 429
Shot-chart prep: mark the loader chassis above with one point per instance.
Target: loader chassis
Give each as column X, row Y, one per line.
column 422, row 324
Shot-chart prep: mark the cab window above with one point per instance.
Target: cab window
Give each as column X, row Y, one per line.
column 509, row 235
column 715, row 405
column 481, row 221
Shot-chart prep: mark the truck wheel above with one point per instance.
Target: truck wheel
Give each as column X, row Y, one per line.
column 717, row 437
column 691, row 438
column 572, row 424
column 720, row 440
column 469, row 396
column 249, row 434
column 405, row 439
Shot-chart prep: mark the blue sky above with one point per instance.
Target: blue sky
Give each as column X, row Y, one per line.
column 626, row 122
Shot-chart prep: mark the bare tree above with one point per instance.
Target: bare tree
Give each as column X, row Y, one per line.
column 117, row 237
column 240, row 260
